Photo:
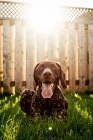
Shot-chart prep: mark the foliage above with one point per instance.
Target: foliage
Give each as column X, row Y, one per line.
column 15, row 125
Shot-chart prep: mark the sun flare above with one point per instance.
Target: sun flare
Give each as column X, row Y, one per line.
column 44, row 17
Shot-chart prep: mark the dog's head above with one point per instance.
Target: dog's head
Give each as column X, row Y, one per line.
column 47, row 75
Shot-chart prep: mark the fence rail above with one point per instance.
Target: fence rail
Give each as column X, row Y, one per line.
column 22, row 47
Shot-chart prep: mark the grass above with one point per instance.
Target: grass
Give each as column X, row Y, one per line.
column 15, row 125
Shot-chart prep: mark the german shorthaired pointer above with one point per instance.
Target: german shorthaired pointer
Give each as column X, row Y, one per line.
column 47, row 98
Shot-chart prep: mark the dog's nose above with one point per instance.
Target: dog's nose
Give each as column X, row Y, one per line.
column 47, row 72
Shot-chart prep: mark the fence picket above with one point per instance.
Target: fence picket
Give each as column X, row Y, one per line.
column 6, row 51
column 82, row 58
column 18, row 55
column 52, row 45
column 63, row 47
column 1, row 56
column 31, row 59
column 12, row 55
column 90, row 49
column 23, row 42
column 72, row 58
column 41, row 47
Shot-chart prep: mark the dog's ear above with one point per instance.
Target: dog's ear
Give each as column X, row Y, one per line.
column 62, row 77
column 35, row 77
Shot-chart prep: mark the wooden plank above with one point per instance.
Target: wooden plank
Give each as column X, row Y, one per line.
column 76, row 50
column 86, row 55
column 76, row 58
column 1, row 56
column 41, row 47
column 31, row 53
column 82, row 58
column 53, row 45
column 18, row 55
column 1, row 51
column 90, row 44
column 1, row 22
column 63, row 46
column 12, row 56
column 23, row 42
column 6, row 51
column 72, row 59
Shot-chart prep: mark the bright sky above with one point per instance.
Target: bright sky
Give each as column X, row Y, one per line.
column 75, row 3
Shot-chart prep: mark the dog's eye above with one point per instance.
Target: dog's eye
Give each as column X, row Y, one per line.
column 41, row 68
column 53, row 67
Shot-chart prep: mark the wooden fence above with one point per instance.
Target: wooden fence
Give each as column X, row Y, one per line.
column 22, row 47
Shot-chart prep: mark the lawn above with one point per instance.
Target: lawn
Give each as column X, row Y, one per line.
column 15, row 125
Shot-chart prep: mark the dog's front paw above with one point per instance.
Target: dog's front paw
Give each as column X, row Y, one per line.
column 26, row 100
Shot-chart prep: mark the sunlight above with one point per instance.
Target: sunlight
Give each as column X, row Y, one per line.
column 84, row 112
column 77, row 106
column 79, row 3
column 91, row 95
column 45, row 14
column 50, row 128
column 77, row 96
column 44, row 17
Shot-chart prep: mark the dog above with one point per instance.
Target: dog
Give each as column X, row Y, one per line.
column 47, row 98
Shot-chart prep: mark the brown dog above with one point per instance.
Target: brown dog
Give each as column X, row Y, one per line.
column 48, row 98
column 47, row 75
